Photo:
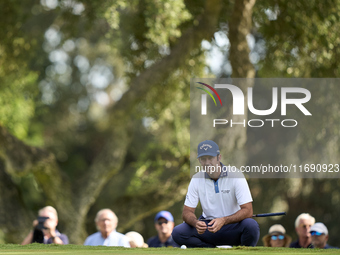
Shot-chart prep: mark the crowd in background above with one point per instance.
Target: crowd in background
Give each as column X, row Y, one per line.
column 310, row 234
column 45, row 231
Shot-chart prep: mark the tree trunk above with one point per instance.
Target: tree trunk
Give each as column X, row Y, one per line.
column 239, row 28
column 12, row 209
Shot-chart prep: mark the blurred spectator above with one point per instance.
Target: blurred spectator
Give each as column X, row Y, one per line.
column 319, row 234
column 136, row 240
column 44, row 228
column 106, row 221
column 302, row 227
column 276, row 237
column 164, row 224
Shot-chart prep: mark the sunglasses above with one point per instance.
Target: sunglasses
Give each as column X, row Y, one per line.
column 316, row 233
column 161, row 222
column 280, row 237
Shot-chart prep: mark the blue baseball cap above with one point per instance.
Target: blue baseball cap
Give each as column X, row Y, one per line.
column 164, row 214
column 208, row 148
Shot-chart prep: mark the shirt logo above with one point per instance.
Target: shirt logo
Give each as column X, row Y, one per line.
column 225, row 191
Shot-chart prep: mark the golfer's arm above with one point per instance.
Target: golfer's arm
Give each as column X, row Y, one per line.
column 189, row 216
column 246, row 211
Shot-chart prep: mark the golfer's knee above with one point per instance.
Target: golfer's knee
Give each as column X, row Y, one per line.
column 251, row 225
column 252, row 229
column 176, row 234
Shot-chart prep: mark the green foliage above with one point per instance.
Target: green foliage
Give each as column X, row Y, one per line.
column 112, row 14
column 301, row 38
column 18, row 89
column 17, row 103
column 163, row 19
column 166, row 131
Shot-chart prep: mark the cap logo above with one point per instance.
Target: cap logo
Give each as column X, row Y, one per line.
column 205, row 146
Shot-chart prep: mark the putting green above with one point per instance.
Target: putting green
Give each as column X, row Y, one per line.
column 12, row 249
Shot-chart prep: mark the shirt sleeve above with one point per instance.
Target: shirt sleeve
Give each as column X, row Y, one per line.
column 242, row 191
column 192, row 198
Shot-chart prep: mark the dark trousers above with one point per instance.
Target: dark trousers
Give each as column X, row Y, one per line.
column 245, row 233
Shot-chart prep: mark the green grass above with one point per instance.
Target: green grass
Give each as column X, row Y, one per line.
column 80, row 249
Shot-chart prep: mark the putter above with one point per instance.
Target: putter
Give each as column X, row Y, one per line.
column 269, row 214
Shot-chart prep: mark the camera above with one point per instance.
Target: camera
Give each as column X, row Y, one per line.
column 41, row 222
column 38, row 235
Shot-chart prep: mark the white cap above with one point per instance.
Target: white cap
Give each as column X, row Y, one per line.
column 277, row 228
column 319, row 227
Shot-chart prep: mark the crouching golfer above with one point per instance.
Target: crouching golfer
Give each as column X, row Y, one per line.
column 226, row 202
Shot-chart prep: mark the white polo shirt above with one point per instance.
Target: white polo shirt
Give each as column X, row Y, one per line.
column 218, row 198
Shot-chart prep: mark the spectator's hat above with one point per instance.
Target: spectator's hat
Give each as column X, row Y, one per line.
column 276, row 229
column 164, row 214
column 207, row 148
column 319, row 227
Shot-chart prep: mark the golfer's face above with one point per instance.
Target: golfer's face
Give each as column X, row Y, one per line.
column 210, row 164
column 106, row 223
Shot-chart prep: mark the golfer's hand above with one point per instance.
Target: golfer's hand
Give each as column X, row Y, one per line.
column 215, row 225
column 200, row 227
